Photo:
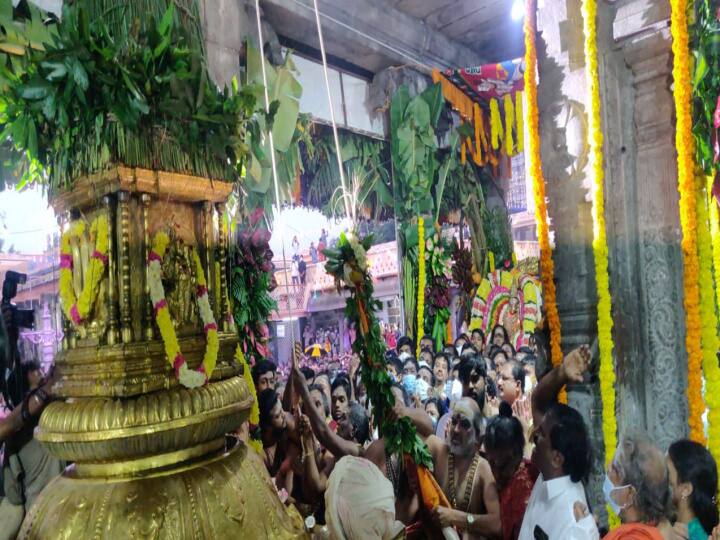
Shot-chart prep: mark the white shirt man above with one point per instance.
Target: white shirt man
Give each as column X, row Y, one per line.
column 550, row 511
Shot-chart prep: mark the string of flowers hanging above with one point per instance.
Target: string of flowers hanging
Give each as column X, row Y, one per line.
column 710, row 342
column 547, row 266
column 685, row 146
column 421, row 284
column 77, row 308
column 600, row 249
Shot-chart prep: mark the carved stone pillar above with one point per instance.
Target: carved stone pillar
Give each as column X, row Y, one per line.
column 642, row 30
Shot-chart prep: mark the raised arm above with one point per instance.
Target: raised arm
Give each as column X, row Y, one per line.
column 573, row 366
column 337, row 446
column 420, row 419
column 314, row 481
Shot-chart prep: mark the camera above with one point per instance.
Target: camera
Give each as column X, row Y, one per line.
column 20, row 318
column 11, row 379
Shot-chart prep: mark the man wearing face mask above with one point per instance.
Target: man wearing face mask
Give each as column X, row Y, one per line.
column 562, row 455
column 404, row 345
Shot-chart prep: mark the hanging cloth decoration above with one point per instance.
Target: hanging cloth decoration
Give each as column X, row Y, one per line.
column 685, row 146
column 473, row 93
column 547, row 266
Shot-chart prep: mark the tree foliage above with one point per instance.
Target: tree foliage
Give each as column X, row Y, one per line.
column 705, row 43
column 79, row 95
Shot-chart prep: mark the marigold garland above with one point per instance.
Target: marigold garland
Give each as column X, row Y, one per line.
column 710, row 342
column 254, row 417
column 77, row 309
column 547, row 266
column 509, row 110
column 496, row 126
column 600, row 249
column 712, row 378
column 714, row 218
column 421, row 284
column 685, row 146
column 187, row 377
column 519, row 122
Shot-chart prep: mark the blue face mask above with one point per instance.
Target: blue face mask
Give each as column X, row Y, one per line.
column 608, row 488
column 410, row 383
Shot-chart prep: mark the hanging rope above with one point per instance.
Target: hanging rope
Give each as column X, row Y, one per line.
column 274, row 167
column 349, row 209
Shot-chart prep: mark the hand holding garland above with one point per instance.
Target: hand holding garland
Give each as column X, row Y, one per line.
column 348, row 264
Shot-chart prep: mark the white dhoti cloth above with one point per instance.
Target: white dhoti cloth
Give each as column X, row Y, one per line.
column 360, row 503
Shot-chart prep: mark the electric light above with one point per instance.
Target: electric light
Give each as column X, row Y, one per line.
column 517, row 11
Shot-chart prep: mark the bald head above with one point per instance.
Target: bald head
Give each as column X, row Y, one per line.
column 470, row 409
column 466, row 428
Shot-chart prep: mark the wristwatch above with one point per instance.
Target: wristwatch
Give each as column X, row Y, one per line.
column 470, row 519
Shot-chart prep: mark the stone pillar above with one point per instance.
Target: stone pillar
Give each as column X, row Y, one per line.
column 635, row 61
column 563, row 94
column 648, row 259
column 226, row 25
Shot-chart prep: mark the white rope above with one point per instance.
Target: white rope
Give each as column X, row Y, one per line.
column 400, row 52
column 349, row 208
column 275, row 175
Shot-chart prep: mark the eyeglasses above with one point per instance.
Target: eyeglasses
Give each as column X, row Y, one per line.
column 465, row 424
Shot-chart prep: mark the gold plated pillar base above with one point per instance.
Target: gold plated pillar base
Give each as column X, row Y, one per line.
column 227, row 495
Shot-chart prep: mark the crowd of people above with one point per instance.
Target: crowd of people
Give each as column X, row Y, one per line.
column 509, row 458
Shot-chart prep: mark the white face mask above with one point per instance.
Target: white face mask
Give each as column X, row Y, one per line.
column 608, row 488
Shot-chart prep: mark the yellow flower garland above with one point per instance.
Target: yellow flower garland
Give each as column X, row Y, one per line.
column 519, row 126
column 600, row 249
column 509, row 119
column 421, row 285
column 187, row 377
column 712, row 378
column 78, row 309
column 685, row 145
column 254, row 417
column 208, row 319
column 547, row 266
column 714, row 218
column 496, row 126
column 710, row 342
